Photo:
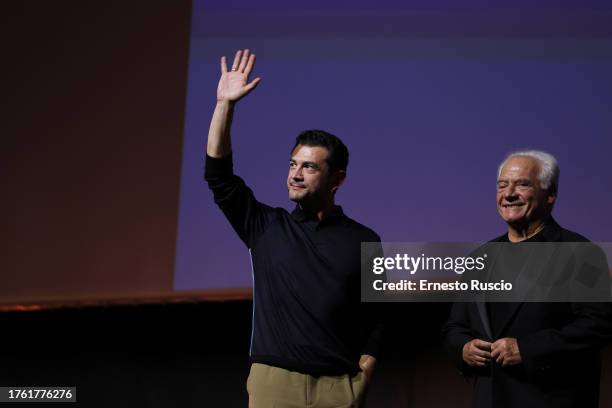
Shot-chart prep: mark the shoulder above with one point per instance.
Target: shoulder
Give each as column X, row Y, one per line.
column 366, row 234
column 552, row 233
column 280, row 212
column 571, row 236
column 501, row 238
column 557, row 233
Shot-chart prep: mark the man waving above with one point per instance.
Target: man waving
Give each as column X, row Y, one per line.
column 313, row 343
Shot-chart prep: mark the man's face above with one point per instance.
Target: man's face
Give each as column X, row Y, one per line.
column 309, row 181
column 520, row 197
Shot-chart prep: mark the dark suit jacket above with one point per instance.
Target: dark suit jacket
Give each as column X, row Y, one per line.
column 559, row 344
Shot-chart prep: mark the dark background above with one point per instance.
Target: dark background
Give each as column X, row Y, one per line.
column 196, row 355
column 91, row 159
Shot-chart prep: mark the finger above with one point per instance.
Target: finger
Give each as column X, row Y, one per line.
column 500, row 343
column 479, row 359
column 496, row 352
column 223, row 64
column 249, row 65
column 511, row 361
column 251, row 85
column 482, row 353
column 236, row 60
column 479, row 352
column 498, row 346
column 500, row 359
column 481, row 344
column 243, row 61
column 479, row 363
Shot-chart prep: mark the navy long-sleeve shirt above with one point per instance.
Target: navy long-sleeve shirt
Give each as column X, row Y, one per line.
column 307, row 313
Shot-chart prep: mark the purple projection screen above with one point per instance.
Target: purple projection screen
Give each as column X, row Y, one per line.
column 429, row 97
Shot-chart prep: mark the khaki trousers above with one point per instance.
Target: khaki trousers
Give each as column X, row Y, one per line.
column 273, row 387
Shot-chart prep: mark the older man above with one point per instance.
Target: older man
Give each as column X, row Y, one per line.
column 530, row 354
column 313, row 343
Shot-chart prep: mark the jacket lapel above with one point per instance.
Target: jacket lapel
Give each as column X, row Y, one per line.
column 484, row 319
column 551, row 233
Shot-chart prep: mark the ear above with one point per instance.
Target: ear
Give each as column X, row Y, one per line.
column 337, row 179
column 552, row 197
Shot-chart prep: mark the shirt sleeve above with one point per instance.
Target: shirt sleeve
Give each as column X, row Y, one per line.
column 456, row 333
column 248, row 217
column 589, row 328
column 548, row 350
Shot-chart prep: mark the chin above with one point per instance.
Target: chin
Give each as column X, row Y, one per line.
column 295, row 198
column 511, row 217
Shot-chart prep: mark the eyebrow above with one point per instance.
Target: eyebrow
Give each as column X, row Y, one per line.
column 311, row 163
column 521, row 180
column 524, row 180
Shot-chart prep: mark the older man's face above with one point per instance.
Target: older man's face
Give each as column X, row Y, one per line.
column 520, row 198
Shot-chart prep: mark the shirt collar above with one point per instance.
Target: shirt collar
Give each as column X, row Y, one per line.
column 300, row 215
column 550, row 233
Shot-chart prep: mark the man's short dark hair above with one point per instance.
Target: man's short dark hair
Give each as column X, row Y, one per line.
column 338, row 156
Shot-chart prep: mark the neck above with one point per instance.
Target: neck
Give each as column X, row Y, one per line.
column 517, row 233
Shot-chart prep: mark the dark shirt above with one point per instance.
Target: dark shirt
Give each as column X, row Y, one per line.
column 307, row 314
column 499, row 312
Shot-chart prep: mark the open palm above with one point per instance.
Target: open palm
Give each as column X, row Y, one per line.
column 234, row 84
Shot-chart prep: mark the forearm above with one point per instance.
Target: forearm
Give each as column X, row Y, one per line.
column 579, row 337
column 219, row 140
column 456, row 333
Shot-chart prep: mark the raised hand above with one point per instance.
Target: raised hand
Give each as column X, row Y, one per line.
column 234, row 84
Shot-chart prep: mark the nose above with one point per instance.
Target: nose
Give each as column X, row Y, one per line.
column 509, row 192
column 297, row 173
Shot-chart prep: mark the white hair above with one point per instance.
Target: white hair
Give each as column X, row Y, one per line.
column 548, row 173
